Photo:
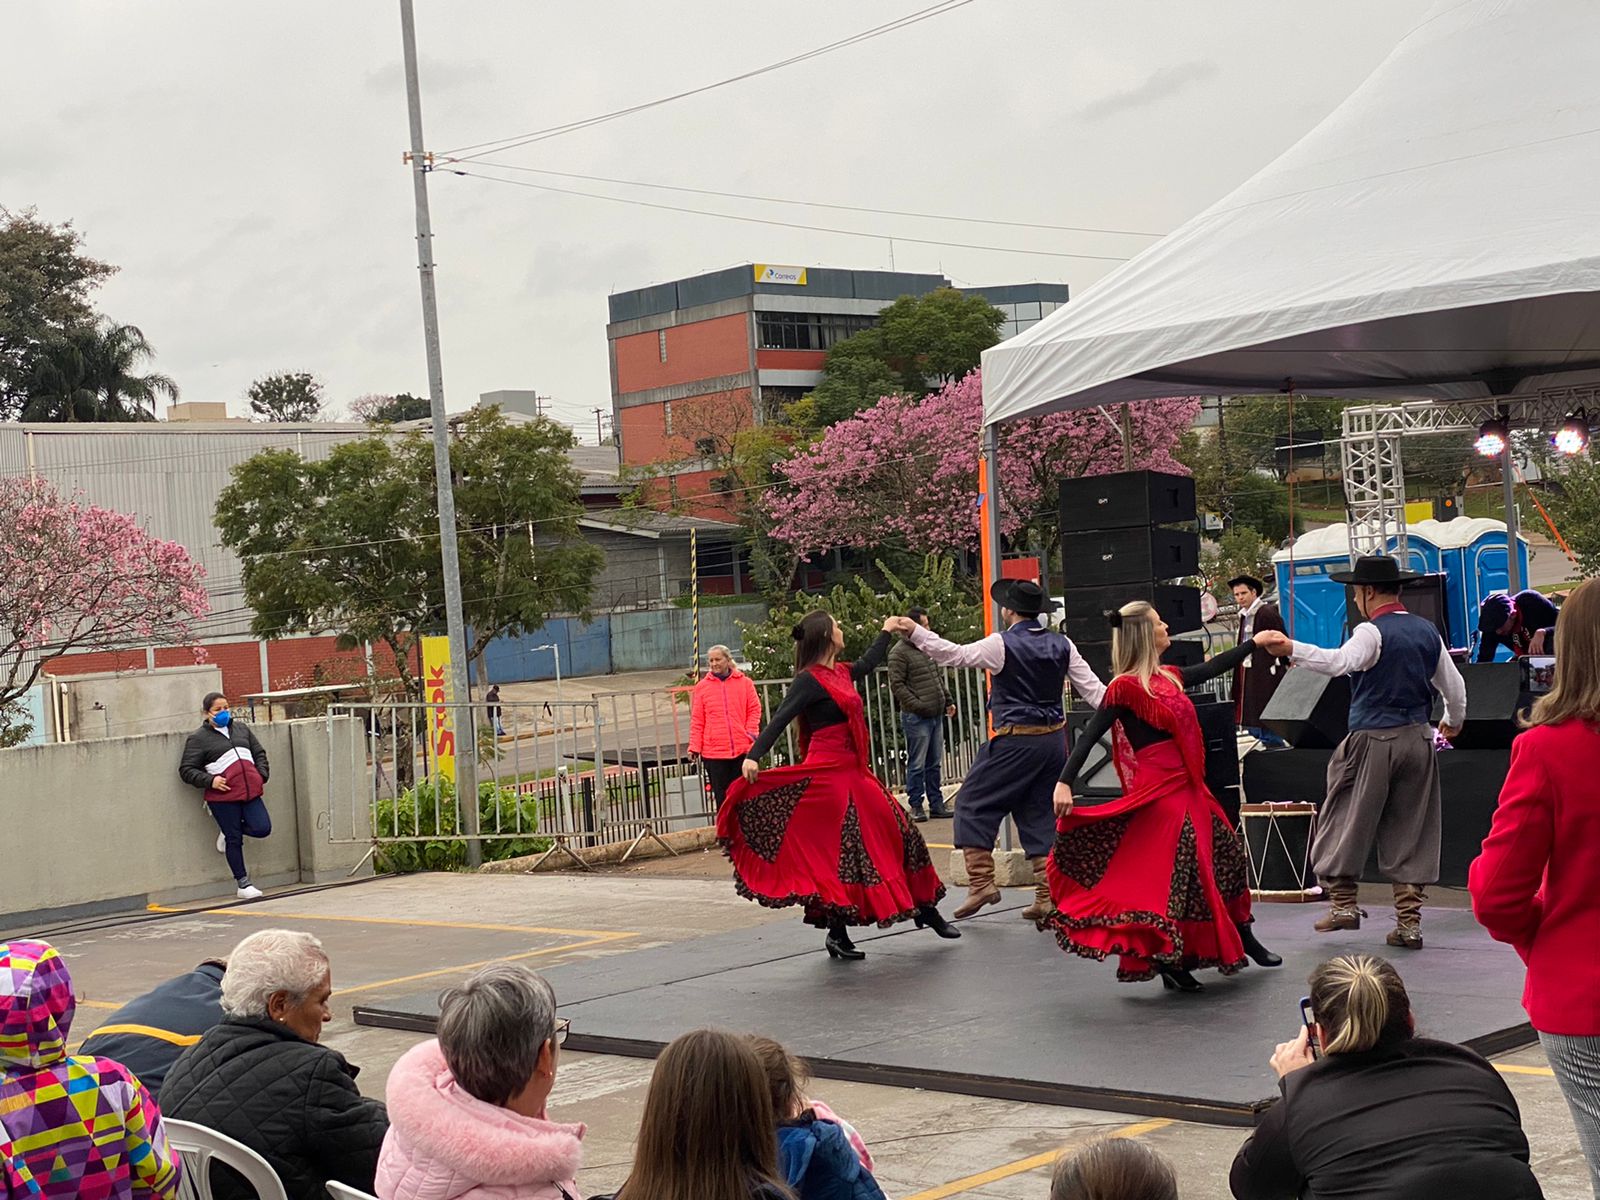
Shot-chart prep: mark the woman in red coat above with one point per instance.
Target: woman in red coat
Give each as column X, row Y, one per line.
column 1534, row 884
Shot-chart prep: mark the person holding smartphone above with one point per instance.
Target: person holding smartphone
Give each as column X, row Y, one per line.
column 1370, row 1109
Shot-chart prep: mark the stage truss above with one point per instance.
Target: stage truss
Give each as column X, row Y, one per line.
column 1374, row 473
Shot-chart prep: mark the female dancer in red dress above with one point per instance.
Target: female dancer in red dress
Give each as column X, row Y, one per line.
column 825, row 833
column 1157, row 876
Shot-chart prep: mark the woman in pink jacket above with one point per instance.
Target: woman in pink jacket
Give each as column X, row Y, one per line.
column 467, row 1111
column 724, row 718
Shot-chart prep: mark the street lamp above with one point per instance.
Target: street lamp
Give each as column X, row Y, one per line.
column 555, row 650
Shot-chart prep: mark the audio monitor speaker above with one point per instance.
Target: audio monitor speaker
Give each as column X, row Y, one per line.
column 1125, row 500
column 1309, row 711
column 1086, row 607
column 1105, row 557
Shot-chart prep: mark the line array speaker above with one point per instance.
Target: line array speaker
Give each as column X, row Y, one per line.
column 1128, row 499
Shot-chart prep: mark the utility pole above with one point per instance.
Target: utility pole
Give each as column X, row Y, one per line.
column 455, row 624
column 1127, row 438
column 599, row 426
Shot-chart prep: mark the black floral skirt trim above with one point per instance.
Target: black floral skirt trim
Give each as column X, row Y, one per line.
column 817, row 911
column 1064, row 926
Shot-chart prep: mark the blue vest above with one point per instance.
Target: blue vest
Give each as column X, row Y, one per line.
column 1028, row 689
column 1398, row 689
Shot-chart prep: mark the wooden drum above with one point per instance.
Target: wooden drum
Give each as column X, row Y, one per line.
column 1277, row 841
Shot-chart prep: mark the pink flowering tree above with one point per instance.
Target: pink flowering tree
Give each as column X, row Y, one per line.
column 906, row 470
column 77, row 577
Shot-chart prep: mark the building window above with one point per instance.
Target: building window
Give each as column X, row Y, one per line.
column 807, row 331
column 666, row 416
column 661, row 343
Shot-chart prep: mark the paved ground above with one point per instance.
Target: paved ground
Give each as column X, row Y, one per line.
column 392, row 937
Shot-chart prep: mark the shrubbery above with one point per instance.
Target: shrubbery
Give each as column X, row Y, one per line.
column 417, row 809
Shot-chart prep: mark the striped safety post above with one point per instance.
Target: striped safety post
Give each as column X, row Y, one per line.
column 694, row 598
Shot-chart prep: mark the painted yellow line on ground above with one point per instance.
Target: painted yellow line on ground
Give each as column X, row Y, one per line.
column 276, row 914
column 956, row 1186
column 1515, row 1069
column 599, row 940
column 98, row 1004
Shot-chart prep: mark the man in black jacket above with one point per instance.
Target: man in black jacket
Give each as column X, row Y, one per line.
column 924, row 703
column 261, row 1078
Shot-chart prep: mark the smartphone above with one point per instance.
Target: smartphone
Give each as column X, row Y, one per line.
column 1309, row 1022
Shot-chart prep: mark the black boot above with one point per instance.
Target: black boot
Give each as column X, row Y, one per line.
column 1259, row 954
column 839, row 944
column 929, row 917
column 1177, row 979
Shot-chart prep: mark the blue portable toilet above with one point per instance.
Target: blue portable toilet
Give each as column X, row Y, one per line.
column 1470, row 553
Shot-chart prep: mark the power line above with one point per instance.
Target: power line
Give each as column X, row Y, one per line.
column 886, row 212
column 538, row 135
column 700, row 212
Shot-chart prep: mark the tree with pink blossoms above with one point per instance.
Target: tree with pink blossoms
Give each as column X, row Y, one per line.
column 906, row 470
column 74, row 577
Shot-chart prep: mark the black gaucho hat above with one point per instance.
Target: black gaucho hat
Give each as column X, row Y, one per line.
column 1022, row 596
column 1375, row 570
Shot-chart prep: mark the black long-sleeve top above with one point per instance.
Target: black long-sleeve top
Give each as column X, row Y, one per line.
column 1141, row 733
column 1537, row 613
column 809, row 699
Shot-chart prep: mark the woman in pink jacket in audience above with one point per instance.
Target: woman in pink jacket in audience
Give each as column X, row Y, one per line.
column 467, row 1111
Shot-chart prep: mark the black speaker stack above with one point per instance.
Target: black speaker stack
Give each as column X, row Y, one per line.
column 1116, row 546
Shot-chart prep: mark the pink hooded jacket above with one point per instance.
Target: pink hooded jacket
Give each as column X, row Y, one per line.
column 443, row 1143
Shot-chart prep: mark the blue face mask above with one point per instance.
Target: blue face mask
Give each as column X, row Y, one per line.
column 221, row 719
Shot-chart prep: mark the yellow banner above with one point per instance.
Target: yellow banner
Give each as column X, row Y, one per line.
column 771, row 273
column 436, row 688
column 1419, row 510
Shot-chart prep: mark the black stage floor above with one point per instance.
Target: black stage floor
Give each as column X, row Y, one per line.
column 1004, row 1012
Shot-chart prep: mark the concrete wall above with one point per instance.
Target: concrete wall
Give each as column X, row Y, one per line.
column 127, row 705
column 663, row 638
column 104, row 825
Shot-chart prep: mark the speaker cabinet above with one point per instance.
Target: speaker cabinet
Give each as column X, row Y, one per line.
column 1098, row 778
column 1106, row 557
column 1183, row 652
column 1086, row 607
column 1493, row 692
column 1126, row 500
column 1309, row 711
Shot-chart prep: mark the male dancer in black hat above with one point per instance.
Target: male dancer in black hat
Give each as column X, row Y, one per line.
column 1383, row 780
column 1016, row 770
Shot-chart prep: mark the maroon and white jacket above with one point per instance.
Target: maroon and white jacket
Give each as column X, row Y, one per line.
column 234, row 753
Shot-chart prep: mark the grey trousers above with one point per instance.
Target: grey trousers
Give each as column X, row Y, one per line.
column 1576, row 1062
column 1383, row 785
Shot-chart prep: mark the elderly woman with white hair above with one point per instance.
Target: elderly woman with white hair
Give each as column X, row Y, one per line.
column 261, row 1078
column 468, row 1110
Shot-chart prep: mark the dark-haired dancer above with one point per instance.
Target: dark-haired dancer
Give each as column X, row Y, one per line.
column 825, row 833
column 1157, row 876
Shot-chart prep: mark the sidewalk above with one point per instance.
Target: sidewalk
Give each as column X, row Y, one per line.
column 585, row 687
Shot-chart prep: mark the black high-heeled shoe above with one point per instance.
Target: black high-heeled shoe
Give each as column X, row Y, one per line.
column 929, row 917
column 1177, row 979
column 839, row 945
column 1259, row 954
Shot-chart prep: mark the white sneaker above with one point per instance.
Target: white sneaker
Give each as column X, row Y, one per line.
column 222, row 843
column 249, row 892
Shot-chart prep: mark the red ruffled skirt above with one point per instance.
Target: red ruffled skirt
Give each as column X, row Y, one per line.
column 827, row 835
column 1156, row 876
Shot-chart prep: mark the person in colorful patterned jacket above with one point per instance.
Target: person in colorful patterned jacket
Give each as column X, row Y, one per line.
column 78, row 1126
column 225, row 761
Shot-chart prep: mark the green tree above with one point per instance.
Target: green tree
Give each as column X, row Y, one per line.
column 391, row 410
column 90, row 373
column 1253, row 425
column 350, row 544
column 286, row 396
column 1231, row 487
column 1239, row 551
column 45, row 283
column 1574, row 504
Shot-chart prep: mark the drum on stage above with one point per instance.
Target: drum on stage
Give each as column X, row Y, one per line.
column 1277, row 841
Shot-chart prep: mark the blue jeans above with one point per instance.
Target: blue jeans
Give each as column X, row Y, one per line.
column 924, row 754
column 237, row 822
column 1265, row 736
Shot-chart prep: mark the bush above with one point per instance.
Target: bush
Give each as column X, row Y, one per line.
column 418, row 808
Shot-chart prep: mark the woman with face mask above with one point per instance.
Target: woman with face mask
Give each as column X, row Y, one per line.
column 225, row 761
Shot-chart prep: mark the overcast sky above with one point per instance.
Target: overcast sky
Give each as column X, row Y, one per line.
column 241, row 162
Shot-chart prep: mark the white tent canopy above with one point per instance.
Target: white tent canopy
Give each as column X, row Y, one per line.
column 1437, row 236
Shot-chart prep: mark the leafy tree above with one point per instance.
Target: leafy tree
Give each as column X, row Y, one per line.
column 286, row 396
column 1232, row 488
column 90, row 373
column 1239, row 551
column 349, row 544
column 919, row 343
column 74, row 577
column 1253, row 425
column 378, row 409
column 45, row 283
column 1574, row 504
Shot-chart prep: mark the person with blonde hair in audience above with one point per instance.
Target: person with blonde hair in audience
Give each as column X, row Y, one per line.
column 1370, row 1109
column 467, row 1110
column 1534, row 884
column 1113, row 1168
column 816, row 1153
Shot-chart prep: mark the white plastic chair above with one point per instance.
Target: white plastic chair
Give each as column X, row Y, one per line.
column 343, row 1191
column 198, row 1146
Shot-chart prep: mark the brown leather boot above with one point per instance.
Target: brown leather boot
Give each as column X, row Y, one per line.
column 1407, row 932
column 1343, row 912
column 1042, row 905
column 981, row 889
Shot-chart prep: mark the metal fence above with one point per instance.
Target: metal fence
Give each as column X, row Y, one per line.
column 552, row 776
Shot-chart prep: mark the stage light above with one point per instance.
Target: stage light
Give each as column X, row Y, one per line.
column 1573, row 436
column 1493, row 435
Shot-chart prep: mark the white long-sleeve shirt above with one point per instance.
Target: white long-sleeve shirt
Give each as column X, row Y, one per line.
column 1361, row 652
column 989, row 654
